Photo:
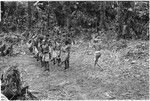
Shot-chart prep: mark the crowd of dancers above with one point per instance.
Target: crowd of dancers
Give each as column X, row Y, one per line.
column 48, row 51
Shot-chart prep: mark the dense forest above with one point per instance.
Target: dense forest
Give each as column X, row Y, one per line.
column 129, row 19
column 74, row 50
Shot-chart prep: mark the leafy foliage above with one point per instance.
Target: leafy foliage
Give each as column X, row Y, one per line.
column 128, row 18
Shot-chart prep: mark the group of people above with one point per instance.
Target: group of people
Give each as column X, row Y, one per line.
column 48, row 51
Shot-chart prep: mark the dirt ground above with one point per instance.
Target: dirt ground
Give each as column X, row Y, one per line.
column 124, row 76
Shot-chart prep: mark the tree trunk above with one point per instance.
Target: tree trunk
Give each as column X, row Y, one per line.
column 98, row 22
column 29, row 15
column 0, row 18
column 2, row 11
column 101, row 19
column 48, row 17
column 68, row 22
column 124, row 29
column 103, row 16
column 17, row 22
column 119, row 20
column 0, row 26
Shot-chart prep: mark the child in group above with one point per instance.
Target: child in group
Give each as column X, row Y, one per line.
column 65, row 53
column 45, row 55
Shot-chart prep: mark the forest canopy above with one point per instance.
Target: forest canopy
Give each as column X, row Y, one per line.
column 129, row 19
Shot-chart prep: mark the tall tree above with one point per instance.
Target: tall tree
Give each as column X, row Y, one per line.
column 29, row 15
column 0, row 17
column 48, row 17
column 102, row 16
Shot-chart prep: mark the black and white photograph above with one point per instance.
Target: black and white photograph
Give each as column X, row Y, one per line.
column 74, row 50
